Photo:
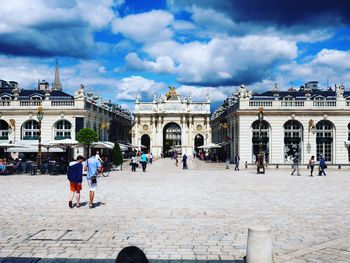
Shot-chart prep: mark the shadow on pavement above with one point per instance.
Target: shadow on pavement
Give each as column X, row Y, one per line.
column 71, row 260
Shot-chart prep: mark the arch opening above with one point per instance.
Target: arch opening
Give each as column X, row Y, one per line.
column 171, row 138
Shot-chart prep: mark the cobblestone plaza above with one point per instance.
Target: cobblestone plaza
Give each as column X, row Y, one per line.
column 172, row 214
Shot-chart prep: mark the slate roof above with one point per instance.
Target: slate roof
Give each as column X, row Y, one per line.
column 298, row 95
column 26, row 94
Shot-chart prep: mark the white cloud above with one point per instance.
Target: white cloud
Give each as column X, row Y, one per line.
column 98, row 13
column 162, row 64
column 51, row 28
column 225, row 60
column 146, row 27
column 182, row 25
column 129, row 87
column 328, row 65
column 216, row 94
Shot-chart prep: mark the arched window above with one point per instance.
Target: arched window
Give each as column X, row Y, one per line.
column 30, row 130
column 293, row 136
column 4, row 130
column 63, row 130
column 324, row 140
column 265, row 133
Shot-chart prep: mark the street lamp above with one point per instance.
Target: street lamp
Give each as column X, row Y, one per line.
column 261, row 167
column 312, row 129
column 39, row 115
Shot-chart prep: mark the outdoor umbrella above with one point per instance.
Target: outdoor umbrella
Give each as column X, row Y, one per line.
column 65, row 144
column 103, row 145
column 8, row 145
column 210, row 146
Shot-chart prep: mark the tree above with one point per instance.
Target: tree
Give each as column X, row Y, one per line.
column 86, row 137
column 117, row 158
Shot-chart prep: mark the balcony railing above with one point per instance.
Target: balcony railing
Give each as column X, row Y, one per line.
column 292, row 103
column 29, row 103
column 62, row 103
column 260, row 103
column 5, row 102
column 326, row 103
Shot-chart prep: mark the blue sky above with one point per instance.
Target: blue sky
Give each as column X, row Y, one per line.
column 122, row 48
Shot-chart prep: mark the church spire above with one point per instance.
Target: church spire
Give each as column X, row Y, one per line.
column 57, row 84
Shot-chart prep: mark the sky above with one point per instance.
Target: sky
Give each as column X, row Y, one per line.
column 123, row 48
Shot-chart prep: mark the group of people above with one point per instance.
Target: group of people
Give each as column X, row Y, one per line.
column 311, row 165
column 91, row 167
column 142, row 159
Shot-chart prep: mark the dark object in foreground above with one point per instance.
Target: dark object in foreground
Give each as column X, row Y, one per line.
column 131, row 254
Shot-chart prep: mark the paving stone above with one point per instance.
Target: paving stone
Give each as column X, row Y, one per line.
column 199, row 214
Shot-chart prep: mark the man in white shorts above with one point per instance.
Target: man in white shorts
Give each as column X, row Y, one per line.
column 93, row 168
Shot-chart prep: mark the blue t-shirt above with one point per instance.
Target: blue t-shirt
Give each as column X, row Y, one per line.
column 92, row 165
column 143, row 158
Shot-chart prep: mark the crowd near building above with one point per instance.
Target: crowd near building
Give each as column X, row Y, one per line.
column 62, row 116
column 299, row 122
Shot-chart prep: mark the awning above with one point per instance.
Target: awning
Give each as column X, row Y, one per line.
column 103, row 145
column 30, row 146
column 210, row 146
column 33, row 149
column 223, row 143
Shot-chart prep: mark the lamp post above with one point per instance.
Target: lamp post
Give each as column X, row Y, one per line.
column 260, row 167
column 39, row 115
column 312, row 129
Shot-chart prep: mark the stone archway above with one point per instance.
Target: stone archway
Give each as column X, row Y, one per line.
column 198, row 141
column 146, row 141
column 171, row 138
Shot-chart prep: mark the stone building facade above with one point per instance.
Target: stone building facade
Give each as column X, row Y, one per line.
column 308, row 121
column 64, row 116
column 170, row 123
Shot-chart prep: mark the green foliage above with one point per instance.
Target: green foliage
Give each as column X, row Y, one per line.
column 86, row 137
column 117, row 158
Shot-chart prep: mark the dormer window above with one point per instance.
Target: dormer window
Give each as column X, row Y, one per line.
column 288, row 98
column 319, row 98
column 35, row 98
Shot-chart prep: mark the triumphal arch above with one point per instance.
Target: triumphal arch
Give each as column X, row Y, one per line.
column 171, row 123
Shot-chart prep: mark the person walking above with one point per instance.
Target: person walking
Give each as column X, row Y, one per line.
column 176, row 159
column 93, row 168
column 323, row 166
column 143, row 161
column 237, row 159
column 312, row 165
column 133, row 162
column 184, row 161
column 295, row 165
column 75, row 177
column 150, row 158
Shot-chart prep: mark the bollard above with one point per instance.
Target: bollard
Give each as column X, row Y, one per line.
column 259, row 245
column 227, row 164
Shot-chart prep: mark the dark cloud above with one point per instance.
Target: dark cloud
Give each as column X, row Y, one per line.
column 280, row 13
column 45, row 41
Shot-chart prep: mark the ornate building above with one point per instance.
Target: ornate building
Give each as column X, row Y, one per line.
column 308, row 121
column 63, row 115
column 171, row 124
